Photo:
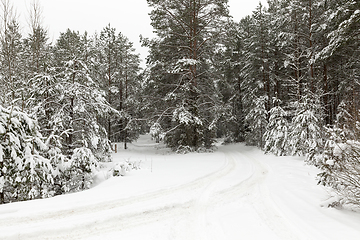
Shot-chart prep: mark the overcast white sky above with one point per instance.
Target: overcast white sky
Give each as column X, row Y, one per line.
column 128, row 16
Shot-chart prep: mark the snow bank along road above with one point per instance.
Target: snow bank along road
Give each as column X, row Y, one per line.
column 237, row 196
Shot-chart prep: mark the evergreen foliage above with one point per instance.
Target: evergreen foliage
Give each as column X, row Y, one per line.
column 116, row 70
column 54, row 106
column 277, row 132
column 77, row 173
column 257, row 122
column 24, row 171
column 306, row 132
column 13, row 90
column 181, row 76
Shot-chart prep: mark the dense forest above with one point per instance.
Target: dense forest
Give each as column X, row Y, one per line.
column 285, row 79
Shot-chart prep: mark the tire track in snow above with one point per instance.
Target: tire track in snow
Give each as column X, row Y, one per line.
column 203, row 203
column 195, row 212
column 62, row 222
column 253, row 190
column 96, row 227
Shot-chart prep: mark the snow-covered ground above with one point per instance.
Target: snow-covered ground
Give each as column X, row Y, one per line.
column 235, row 193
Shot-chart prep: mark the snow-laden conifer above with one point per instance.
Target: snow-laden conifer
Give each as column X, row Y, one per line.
column 181, row 71
column 186, row 124
column 76, row 106
column 277, row 131
column 13, row 89
column 116, row 70
column 24, row 172
column 306, row 128
column 257, row 122
column 79, row 170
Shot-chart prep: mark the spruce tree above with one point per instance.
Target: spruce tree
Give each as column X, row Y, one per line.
column 80, row 104
column 257, row 120
column 277, row 132
column 25, row 173
column 306, row 127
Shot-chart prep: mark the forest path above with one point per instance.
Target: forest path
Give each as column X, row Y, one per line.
column 231, row 201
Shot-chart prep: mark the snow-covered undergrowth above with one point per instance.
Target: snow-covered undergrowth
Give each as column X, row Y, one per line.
column 340, row 170
column 117, row 169
column 236, row 192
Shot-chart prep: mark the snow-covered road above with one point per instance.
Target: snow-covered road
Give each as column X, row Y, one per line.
column 235, row 193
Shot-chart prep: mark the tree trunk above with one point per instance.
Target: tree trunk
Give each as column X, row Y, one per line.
column 109, row 91
column 297, row 59
column 125, row 139
column 328, row 116
column 2, row 197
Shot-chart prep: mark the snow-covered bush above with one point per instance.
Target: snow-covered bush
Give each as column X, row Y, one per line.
column 136, row 165
column 184, row 149
column 339, row 163
column 79, row 170
column 206, row 150
column 24, row 171
column 59, row 163
column 340, row 170
column 347, row 126
column 120, row 169
column 156, row 132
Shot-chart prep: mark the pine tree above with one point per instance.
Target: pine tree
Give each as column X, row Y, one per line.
column 180, row 70
column 129, row 99
column 107, row 68
column 277, row 54
column 341, row 54
column 39, row 72
column 14, row 89
column 229, row 65
column 257, row 66
column 117, row 68
column 259, row 73
column 36, row 43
